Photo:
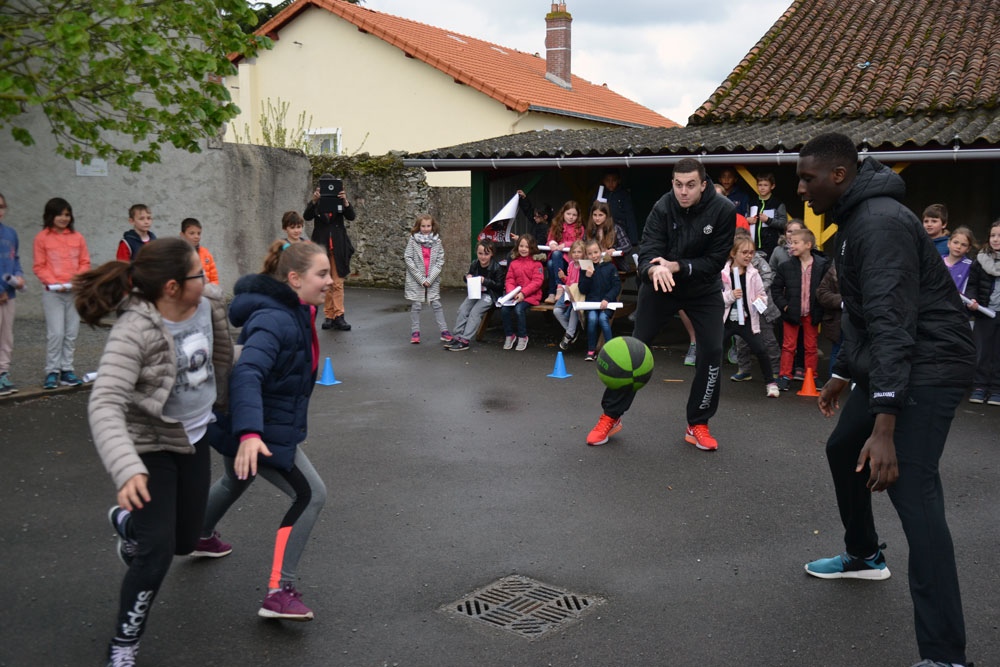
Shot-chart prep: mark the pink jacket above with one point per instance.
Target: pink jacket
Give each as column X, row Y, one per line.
column 60, row 255
column 570, row 234
column 527, row 274
column 753, row 289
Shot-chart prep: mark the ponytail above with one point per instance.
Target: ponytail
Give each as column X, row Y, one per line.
column 100, row 291
column 282, row 258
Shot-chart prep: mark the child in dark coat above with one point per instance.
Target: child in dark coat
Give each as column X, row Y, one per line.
column 794, row 293
column 600, row 283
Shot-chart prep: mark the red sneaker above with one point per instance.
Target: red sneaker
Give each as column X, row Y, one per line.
column 699, row 436
column 606, row 427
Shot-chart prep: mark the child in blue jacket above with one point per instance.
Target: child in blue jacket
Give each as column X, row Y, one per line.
column 269, row 399
column 600, row 283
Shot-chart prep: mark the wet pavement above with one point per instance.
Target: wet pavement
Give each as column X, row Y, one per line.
column 448, row 471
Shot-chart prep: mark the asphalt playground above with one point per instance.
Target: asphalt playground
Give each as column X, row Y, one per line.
column 448, row 472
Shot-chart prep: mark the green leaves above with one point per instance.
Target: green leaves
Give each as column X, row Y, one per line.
column 115, row 78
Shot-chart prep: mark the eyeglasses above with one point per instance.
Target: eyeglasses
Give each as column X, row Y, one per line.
column 197, row 275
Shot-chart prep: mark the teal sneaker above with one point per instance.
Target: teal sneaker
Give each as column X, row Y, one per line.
column 6, row 385
column 51, row 381
column 846, row 566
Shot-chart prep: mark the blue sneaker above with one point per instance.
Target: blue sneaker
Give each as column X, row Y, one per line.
column 127, row 547
column 69, row 379
column 846, row 566
column 51, row 381
column 741, row 377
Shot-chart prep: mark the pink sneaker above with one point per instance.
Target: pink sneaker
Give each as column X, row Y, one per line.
column 212, row 547
column 415, row 337
column 285, row 603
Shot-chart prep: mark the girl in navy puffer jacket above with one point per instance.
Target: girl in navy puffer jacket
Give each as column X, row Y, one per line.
column 269, row 399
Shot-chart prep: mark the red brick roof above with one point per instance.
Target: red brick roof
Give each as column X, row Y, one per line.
column 866, row 58
column 513, row 78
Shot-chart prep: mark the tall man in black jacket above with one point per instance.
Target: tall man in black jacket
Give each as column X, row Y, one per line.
column 685, row 243
column 908, row 346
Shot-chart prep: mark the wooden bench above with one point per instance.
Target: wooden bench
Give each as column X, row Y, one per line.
column 627, row 309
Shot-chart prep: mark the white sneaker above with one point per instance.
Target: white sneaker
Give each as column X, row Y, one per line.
column 772, row 390
column 508, row 342
column 522, row 344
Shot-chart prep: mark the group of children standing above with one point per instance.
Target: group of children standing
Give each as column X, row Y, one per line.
column 569, row 242
column 978, row 281
column 60, row 255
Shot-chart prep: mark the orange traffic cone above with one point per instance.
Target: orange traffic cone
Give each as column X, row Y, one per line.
column 808, row 385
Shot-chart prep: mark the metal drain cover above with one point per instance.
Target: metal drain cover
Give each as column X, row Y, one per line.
column 523, row 606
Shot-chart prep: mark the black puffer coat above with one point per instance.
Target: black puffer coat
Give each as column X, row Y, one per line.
column 904, row 324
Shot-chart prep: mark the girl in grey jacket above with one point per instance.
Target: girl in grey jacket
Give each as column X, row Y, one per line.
column 165, row 364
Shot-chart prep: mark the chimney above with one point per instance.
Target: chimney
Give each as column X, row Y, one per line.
column 557, row 46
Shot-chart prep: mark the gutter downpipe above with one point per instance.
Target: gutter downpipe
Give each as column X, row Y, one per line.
column 462, row 164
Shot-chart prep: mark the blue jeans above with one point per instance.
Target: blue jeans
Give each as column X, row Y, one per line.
column 520, row 311
column 595, row 319
column 555, row 264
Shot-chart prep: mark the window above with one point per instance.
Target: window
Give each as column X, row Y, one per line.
column 324, row 140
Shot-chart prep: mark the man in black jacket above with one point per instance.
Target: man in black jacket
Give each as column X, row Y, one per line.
column 330, row 232
column 685, row 243
column 908, row 347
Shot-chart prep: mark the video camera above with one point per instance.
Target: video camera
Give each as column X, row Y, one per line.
column 329, row 191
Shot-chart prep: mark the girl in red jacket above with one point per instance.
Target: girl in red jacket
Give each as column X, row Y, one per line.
column 525, row 272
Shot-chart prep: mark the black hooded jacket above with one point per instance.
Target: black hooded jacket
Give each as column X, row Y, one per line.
column 699, row 238
column 904, row 324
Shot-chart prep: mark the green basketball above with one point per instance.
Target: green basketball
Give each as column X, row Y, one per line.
column 625, row 362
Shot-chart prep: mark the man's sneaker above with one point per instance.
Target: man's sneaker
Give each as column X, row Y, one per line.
column 327, row 323
column 340, row 324
column 846, row 566
column 566, row 341
column 122, row 655
column 605, row 428
column 508, row 342
column 772, row 390
column 6, row 386
column 784, row 382
column 446, row 336
column 415, row 337
column 741, row 377
column 212, row 547
column 51, row 381
column 994, row 399
column 127, row 547
column 691, row 357
column 799, row 374
column 978, row 396
column 522, row 344
column 591, row 355
column 69, row 379
column 285, row 603
column 699, row 436
column 927, row 662
column 459, row 345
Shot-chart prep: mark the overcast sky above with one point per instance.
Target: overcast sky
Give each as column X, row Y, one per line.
column 668, row 55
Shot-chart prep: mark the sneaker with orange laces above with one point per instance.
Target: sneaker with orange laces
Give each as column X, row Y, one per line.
column 606, row 427
column 699, row 436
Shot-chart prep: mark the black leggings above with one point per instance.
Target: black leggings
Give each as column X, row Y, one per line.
column 168, row 525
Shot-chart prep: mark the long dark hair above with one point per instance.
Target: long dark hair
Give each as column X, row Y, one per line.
column 54, row 207
column 100, row 290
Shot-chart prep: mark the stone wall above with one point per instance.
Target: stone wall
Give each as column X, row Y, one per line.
column 386, row 208
column 239, row 194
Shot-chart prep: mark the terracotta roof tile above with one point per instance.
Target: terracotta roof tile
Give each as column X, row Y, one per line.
column 866, row 58
column 513, row 78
